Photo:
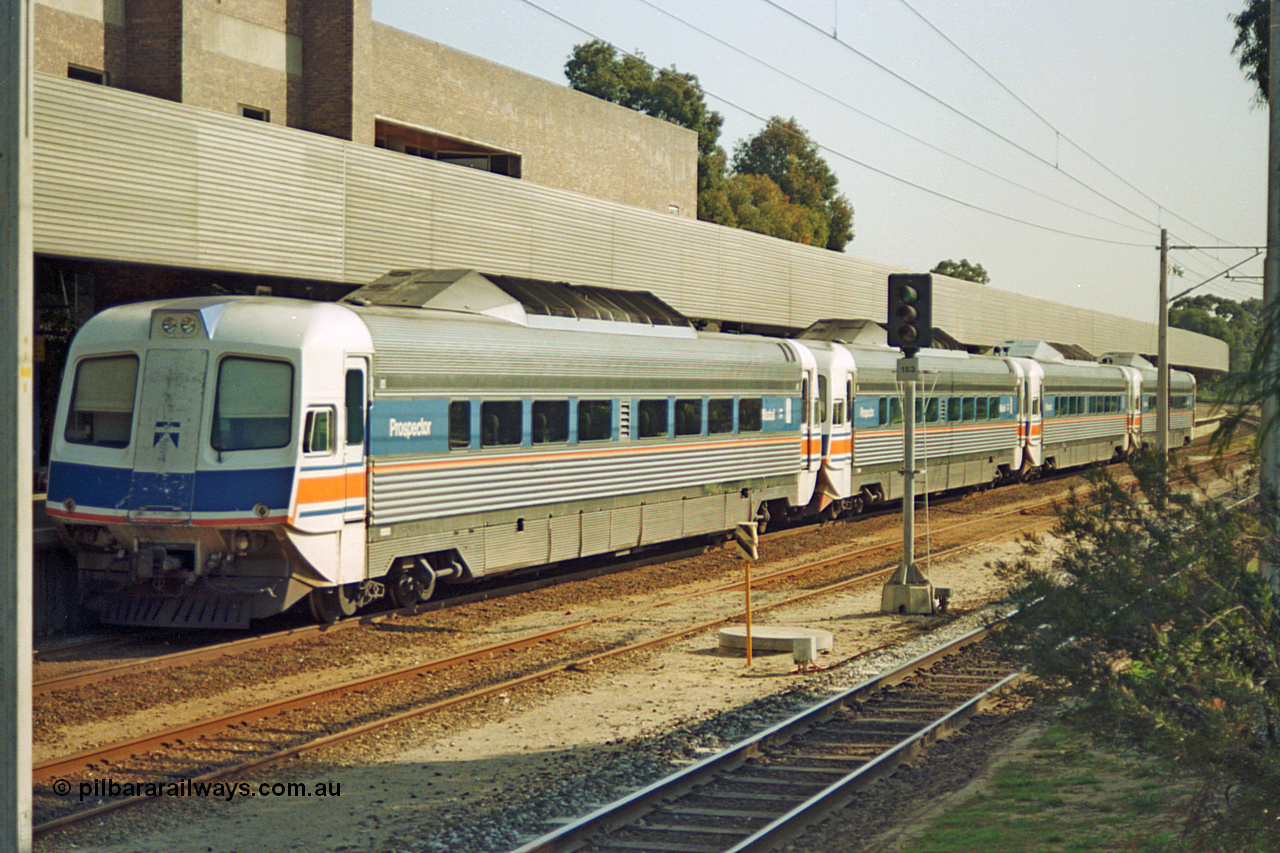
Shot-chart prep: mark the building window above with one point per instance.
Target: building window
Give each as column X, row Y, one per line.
column 88, row 75
column 431, row 146
column 255, row 113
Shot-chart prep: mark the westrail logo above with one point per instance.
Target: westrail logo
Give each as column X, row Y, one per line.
column 409, row 429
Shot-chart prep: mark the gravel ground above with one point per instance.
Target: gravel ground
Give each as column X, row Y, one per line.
column 485, row 778
column 489, row 777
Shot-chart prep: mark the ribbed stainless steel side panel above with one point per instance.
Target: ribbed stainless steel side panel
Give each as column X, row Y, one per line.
column 624, row 528
column 391, row 220
column 404, row 495
column 1084, row 429
column 573, row 240
column 706, row 514
column 509, row 545
column 661, row 522
column 597, row 531
column 565, row 534
column 124, row 177
column 383, row 549
column 881, row 447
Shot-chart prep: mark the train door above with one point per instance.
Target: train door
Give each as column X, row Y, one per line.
column 1031, row 415
column 162, row 485
column 1132, row 408
column 354, row 467
column 810, row 432
column 839, row 455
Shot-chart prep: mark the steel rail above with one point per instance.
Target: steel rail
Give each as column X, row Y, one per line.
column 71, row 764
column 201, row 654
column 63, row 765
column 53, row 767
column 574, row 835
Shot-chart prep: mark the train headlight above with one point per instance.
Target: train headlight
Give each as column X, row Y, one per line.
column 176, row 324
column 249, row 541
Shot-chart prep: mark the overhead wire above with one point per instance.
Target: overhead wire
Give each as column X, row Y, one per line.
column 960, row 113
column 851, row 159
column 1059, row 134
column 846, row 105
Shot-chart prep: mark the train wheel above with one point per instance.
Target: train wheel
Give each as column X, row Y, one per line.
column 410, row 585
column 330, row 604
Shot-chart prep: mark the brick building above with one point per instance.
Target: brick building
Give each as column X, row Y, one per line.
column 325, row 66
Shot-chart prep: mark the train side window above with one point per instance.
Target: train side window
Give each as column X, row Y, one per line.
column 500, row 423
column 102, row 403
column 970, row 409
column 895, row 411
column 253, row 405
column 355, row 407
column 823, row 393
column 933, row 410
column 459, row 424
column 719, row 416
column 317, row 437
column 804, row 401
column 749, row 414
column 595, row 420
column 550, row 421
column 993, row 407
column 955, row 409
column 688, row 417
column 848, row 398
column 653, row 419
column 837, row 412
column 980, row 409
column 884, row 411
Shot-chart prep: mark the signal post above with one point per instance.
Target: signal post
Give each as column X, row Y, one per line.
column 910, row 329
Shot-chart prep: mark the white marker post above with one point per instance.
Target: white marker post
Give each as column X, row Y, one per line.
column 747, row 539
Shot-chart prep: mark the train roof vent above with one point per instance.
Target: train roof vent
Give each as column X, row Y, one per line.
column 862, row 332
column 527, row 301
column 1039, row 350
column 1130, row 359
column 1072, row 352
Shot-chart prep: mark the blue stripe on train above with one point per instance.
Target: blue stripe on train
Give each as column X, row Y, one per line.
column 214, row 491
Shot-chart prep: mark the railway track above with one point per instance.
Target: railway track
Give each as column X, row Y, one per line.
column 230, row 744
column 227, row 736
column 765, row 790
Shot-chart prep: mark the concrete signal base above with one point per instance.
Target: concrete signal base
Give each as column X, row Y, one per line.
column 773, row 638
column 907, row 598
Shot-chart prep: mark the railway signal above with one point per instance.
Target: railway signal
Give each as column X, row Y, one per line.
column 910, row 311
column 910, row 330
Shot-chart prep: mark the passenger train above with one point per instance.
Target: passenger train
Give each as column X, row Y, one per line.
column 221, row 459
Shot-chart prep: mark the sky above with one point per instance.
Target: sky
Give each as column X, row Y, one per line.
column 1048, row 141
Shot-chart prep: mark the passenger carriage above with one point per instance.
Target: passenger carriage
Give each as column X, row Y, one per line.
column 221, row 459
column 217, row 460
